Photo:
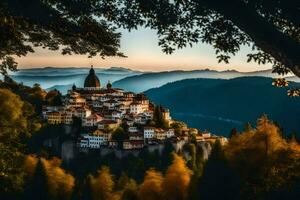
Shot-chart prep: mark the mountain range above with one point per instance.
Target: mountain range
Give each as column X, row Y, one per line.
column 131, row 80
column 143, row 82
column 63, row 78
column 219, row 105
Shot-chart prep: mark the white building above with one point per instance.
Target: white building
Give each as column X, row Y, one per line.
column 93, row 142
column 136, row 108
column 149, row 132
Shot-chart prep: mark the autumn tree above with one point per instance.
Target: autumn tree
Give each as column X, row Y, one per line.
column 48, row 178
column 264, row 160
column 17, row 123
column 130, row 191
column 60, row 182
column 177, row 179
column 151, row 188
column 102, row 185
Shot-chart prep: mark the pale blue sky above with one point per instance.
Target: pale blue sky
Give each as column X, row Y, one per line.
column 141, row 47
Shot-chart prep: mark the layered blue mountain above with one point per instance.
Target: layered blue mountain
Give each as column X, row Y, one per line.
column 219, row 105
column 143, row 82
column 63, row 78
column 136, row 81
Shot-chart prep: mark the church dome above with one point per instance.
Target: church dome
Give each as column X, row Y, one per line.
column 92, row 80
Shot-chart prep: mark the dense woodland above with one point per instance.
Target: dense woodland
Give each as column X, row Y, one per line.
column 258, row 163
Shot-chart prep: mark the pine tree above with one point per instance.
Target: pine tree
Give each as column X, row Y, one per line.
column 37, row 187
column 218, row 180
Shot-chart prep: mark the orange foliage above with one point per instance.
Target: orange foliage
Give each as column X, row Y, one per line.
column 30, row 164
column 263, row 158
column 60, row 183
column 102, row 185
column 177, row 179
column 151, row 188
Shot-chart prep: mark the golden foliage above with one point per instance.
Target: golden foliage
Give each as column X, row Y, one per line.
column 102, row 185
column 60, row 183
column 262, row 157
column 151, row 188
column 30, row 164
column 11, row 114
column 177, row 179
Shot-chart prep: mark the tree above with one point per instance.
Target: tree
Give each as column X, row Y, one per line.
column 166, row 156
column 60, row 183
column 218, row 181
column 130, row 191
column 54, row 98
column 158, row 118
column 85, row 27
column 70, row 26
column 17, row 123
column 37, row 187
column 151, row 188
column 233, row 132
column 192, row 161
column 177, row 179
column 119, row 135
column 265, row 161
column 178, row 126
column 102, row 185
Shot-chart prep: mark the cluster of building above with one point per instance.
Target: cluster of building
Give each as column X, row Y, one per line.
column 102, row 110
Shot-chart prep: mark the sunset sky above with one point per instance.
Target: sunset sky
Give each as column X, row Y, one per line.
column 141, row 47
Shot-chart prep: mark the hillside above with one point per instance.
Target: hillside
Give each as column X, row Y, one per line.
column 143, row 82
column 219, row 105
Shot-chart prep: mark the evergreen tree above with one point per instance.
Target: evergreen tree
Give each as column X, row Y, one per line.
column 37, row 187
column 233, row 132
column 248, row 127
column 218, row 180
column 87, row 189
column 166, row 156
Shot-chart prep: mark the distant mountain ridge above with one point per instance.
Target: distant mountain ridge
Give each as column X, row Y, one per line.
column 220, row 105
column 156, row 79
column 50, row 77
column 125, row 78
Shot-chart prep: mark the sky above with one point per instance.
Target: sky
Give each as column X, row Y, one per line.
column 141, row 47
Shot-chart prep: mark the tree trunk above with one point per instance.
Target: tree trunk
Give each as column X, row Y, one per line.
column 264, row 34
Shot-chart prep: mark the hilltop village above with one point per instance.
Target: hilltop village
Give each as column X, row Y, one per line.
column 111, row 117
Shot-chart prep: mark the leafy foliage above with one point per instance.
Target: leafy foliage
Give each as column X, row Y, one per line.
column 264, row 160
column 74, row 27
column 17, row 123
